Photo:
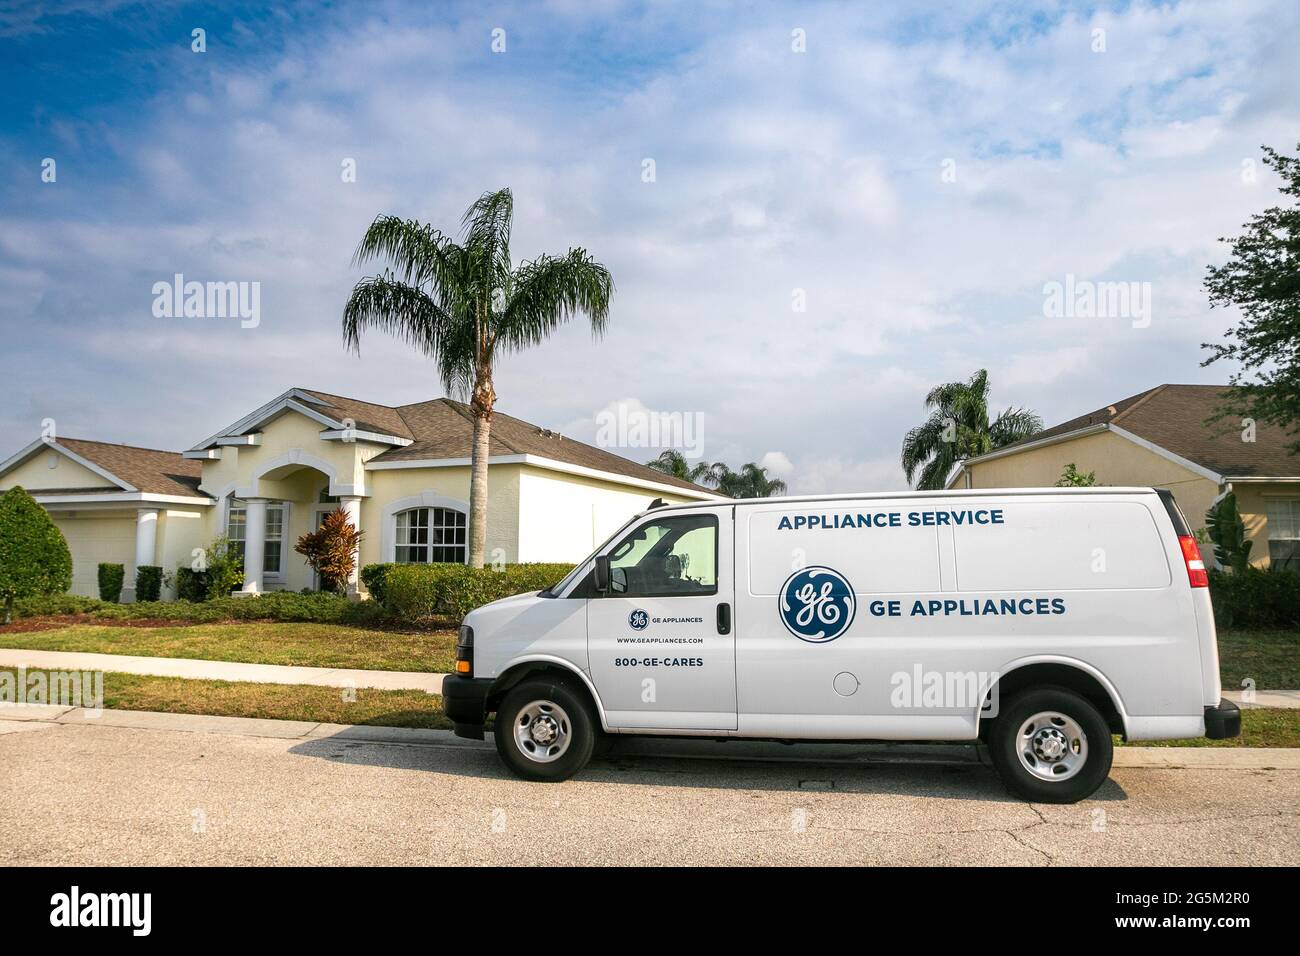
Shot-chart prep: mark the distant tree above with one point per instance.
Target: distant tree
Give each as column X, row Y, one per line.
column 34, row 557
column 1262, row 279
column 674, row 463
column 331, row 549
column 1228, row 533
column 752, row 481
column 959, row 428
column 1071, row 477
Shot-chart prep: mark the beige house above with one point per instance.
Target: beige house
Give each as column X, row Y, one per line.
column 401, row 473
column 1160, row 438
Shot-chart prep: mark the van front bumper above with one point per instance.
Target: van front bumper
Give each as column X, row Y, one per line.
column 1223, row 721
column 464, row 701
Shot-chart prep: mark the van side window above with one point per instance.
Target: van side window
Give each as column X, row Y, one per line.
column 667, row 557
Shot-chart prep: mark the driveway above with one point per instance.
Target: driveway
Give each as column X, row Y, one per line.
column 89, row 793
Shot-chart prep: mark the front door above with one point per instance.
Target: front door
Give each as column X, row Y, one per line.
column 660, row 641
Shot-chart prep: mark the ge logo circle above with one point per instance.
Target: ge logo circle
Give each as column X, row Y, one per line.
column 817, row 604
column 638, row 620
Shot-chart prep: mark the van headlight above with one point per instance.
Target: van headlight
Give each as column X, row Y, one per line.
column 465, row 651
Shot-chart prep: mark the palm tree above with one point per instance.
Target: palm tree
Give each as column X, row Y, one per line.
column 673, row 462
column 750, row 482
column 462, row 303
column 959, row 428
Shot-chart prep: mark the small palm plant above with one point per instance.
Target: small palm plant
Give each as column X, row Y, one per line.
column 464, row 303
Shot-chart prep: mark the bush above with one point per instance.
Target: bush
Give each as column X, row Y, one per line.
column 1256, row 598
column 34, row 558
column 224, row 568
column 192, row 585
column 148, row 582
column 419, row 592
column 111, row 577
column 274, row 606
column 374, row 576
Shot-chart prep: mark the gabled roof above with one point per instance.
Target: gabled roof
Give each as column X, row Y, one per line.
column 1173, row 417
column 125, row 468
column 440, row 429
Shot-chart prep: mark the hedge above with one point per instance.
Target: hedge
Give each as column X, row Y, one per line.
column 1256, row 598
column 111, row 577
column 274, row 606
column 420, row 592
column 148, row 582
column 191, row 585
column 374, row 577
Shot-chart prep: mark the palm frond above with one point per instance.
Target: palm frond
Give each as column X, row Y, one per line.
column 549, row 291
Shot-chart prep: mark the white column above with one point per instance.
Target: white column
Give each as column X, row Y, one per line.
column 146, row 537
column 254, row 544
column 351, row 505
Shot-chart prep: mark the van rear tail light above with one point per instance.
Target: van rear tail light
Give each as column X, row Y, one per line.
column 1196, row 574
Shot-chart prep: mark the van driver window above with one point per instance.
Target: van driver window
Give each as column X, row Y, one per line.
column 668, row 557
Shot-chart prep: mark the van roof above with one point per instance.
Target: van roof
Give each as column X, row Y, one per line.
column 908, row 495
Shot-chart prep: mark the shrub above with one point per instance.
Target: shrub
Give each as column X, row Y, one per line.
column 192, row 585
column 148, row 582
column 1254, row 597
column 331, row 550
column 274, row 606
column 111, row 577
column 373, row 576
column 34, row 558
column 224, row 567
column 1228, row 532
column 419, row 592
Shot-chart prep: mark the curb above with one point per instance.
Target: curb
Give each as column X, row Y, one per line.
column 19, row 718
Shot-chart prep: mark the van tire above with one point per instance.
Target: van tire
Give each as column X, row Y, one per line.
column 1024, row 745
column 541, row 715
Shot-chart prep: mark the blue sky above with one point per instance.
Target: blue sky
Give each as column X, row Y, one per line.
column 918, row 176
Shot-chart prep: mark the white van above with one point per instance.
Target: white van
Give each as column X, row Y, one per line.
column 1039, row 621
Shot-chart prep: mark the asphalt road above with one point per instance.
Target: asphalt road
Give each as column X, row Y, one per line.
column 93, row 794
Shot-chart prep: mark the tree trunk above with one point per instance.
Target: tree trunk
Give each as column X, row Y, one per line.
column 478, row 488
column 9, row 608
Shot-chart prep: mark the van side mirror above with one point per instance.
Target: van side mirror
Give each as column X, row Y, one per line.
column 602, row 573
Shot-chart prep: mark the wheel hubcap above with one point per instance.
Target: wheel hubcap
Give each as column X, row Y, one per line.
column 543, row 731
column 1052, row 746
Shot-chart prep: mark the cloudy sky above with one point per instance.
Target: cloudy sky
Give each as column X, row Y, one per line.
column 849, row 203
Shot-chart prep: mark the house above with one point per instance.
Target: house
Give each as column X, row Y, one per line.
column 401, row 473
column 1160, row 438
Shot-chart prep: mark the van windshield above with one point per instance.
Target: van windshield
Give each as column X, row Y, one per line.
column 555, row 590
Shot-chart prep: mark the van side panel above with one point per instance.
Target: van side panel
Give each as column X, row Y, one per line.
column 948, row 593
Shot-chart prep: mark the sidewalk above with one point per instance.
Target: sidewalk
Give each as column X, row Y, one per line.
column 224, row 670
column 1286, row 699
column 36, row 717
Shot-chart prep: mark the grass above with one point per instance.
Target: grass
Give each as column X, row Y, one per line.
column 175, row 695
column 255, row 642
column 1270, row 658
column 1266, row 727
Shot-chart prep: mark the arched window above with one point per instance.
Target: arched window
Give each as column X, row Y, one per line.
column 430, row 536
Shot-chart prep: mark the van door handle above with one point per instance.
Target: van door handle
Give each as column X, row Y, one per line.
column 724, row 618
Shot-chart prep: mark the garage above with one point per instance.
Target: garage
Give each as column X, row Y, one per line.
column 93, row 539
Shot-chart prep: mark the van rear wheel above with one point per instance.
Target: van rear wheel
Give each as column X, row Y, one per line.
column 544, row 730
column 1050, row 745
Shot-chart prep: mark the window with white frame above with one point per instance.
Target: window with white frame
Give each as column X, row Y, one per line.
column 1283, row 532
column 430, row 536
column 237, row 530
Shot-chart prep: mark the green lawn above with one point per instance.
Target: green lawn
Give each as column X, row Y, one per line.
column 1270, row 658
column 256, row 642
column 385, row 708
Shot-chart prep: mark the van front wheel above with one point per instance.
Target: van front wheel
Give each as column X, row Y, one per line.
column 1051, row 746
column 544, row 730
